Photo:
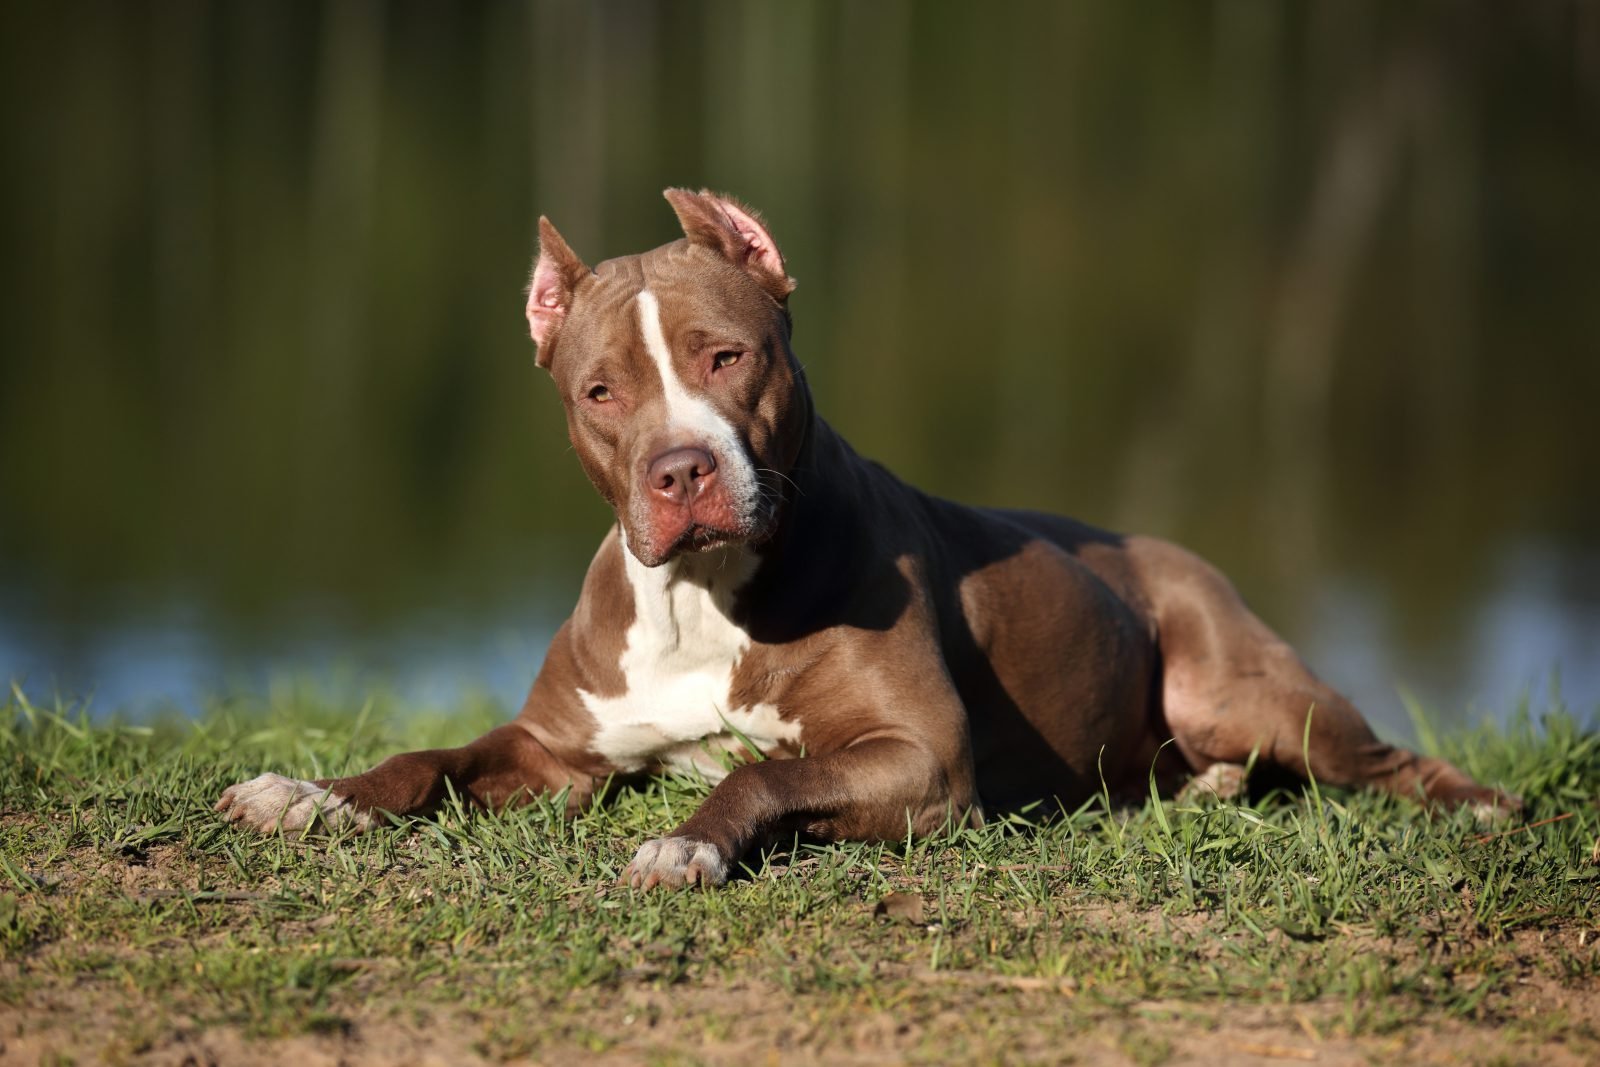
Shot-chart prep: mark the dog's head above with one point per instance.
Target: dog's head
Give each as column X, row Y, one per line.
column 684, row 402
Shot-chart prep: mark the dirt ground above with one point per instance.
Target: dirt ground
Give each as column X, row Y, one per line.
column 60, row 1003
column 914, row 1016
column 943, row 1017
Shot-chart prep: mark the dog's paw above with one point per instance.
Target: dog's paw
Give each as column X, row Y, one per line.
column 675, row 862
column 1222, row 781
column 272, row 802
column 1495, row 809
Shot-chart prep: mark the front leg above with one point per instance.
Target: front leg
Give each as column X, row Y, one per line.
column 504, row 765
column 875, row 790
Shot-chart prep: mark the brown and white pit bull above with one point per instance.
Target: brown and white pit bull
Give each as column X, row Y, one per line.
column 764, row 585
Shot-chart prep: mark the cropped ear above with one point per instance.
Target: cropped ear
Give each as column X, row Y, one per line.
column 725, row 226
column 556, row 275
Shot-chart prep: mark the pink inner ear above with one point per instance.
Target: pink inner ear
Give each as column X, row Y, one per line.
column 759, row 247
column 547, row 301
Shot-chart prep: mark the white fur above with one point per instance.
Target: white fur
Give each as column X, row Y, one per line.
column 682, row 649
column 676, row 862
column 692, row 414
column 272, row 802
column 678, row 663
column 1222, row 781
column 1492, row 814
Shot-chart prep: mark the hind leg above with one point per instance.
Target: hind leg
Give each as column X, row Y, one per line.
column 1231, row 687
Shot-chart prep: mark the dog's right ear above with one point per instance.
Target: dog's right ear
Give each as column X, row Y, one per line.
column 556, row 275
column 726, row 226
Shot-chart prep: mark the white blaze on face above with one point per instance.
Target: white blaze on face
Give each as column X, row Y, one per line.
column 691, row 420
column 678, row 664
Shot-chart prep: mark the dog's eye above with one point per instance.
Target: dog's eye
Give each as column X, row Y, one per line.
column 725, row 359
column 599, row 394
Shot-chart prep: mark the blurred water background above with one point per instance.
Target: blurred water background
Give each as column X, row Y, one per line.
column 1311, row 287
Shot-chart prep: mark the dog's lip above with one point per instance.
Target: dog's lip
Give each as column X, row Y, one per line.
column 698, row 537
column 748, row 524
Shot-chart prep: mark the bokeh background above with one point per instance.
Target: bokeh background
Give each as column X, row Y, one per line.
column 1312, row 287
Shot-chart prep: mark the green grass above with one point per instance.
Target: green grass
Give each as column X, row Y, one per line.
column 1131, row 935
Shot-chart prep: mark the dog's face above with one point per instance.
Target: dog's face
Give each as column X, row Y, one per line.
column 684, row 403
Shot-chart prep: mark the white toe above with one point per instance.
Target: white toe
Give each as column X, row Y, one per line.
column 1224, row 781
column 272, row 802
column 676, row 862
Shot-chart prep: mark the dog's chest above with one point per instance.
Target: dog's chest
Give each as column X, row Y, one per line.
column 678, row 666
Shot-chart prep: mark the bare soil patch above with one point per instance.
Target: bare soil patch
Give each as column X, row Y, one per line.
column 949, row 1020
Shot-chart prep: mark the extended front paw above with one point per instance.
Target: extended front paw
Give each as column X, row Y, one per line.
column 1220, row 781
column 272, row 802
column 675, row 862
column 1493, row 808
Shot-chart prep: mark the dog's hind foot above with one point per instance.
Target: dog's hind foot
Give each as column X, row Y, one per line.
column 1492, row 808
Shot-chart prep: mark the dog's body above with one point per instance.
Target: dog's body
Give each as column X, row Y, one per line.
column 767, row 588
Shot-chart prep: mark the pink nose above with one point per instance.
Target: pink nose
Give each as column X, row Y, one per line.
column 681, row 475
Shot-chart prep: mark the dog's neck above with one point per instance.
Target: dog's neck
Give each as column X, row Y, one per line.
column 679, row 598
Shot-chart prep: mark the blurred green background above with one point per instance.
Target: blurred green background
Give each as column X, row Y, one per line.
column 1312, row 287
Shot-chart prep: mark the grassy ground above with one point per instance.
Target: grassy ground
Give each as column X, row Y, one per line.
column 1328, row 927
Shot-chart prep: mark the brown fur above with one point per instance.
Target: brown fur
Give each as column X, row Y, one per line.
column 942, row 660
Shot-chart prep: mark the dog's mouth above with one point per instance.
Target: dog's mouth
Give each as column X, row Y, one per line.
column 698, row 537
column 653, row 550
column 703, row 526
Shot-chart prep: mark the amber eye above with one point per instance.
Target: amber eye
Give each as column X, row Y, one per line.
column 599, row 394
column 725, row 359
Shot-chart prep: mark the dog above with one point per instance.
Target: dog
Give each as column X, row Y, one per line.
column 848, row 658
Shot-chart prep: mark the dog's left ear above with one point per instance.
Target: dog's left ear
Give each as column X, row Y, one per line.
column 724, row 225
column 556, row 275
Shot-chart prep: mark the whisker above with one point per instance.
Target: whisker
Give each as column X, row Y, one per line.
column 785, row 477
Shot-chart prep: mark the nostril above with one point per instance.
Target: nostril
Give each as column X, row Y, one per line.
column 682, row 471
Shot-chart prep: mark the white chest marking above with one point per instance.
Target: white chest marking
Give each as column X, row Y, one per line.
column 678, row 663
